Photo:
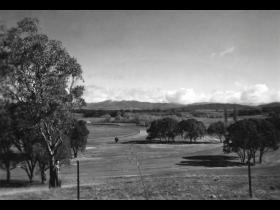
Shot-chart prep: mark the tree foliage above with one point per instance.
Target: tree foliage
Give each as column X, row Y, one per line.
column 217, row 129
column 247, row 137
column 191, row 129
column 40, row 77
column 78, row 136
column 169, row 128
column 163, row 129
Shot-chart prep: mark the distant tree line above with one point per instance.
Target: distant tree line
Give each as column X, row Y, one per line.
column 179, row 112
column 248, row 112
column 247, row 137
column 87, row 113
column 24, row 147
column 272, row 111
column 168, row 129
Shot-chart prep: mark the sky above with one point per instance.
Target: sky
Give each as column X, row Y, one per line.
column 170, row 56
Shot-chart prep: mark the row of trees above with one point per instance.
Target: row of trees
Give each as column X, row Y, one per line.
column 169, row 128
column 163, row 129
column 23, row 146
column 39, row 91
column 248, row 138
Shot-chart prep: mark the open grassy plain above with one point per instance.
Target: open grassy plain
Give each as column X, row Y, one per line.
column 168, row 171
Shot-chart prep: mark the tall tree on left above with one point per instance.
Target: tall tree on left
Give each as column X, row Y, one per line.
column 39, row 74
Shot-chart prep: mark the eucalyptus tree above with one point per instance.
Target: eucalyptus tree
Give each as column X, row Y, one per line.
column 164, row 128
column 246, row 137
column 268, row 138
column 217, row 129
column 78, row 137
column 39, row 74
column 191, row 129
column 154, row 130
column 249, row 136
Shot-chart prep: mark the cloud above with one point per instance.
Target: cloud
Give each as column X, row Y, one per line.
column 227, row 51
column 254, row 94
column 184, row 96
column 257, row 94
column 228, row 96
column 223, row 52
column 98, row 94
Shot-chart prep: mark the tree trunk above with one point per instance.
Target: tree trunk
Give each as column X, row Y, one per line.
column 8, row 175
column 30, row 178
column 243, row 156
column 53, row 182
column 52, row 148
column 43, row 177
column 261, row 156
column 75, row 152
column 42, row 168
column 260, row 159
column 29, row 169
column 240, row 156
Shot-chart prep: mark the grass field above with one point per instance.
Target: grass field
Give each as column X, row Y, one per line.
column 107, row 131
column 167, row 188
column 170, row 171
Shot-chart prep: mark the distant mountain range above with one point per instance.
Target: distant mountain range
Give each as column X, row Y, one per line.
column 136, row 105
column 130, row 105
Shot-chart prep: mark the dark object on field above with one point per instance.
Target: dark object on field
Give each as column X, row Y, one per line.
column 116, row 139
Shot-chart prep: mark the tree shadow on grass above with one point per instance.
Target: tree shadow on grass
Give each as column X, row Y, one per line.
column 211, row 161
column 165, row 142
column 18, row 184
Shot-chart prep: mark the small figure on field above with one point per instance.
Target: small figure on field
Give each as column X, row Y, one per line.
column 116, row 139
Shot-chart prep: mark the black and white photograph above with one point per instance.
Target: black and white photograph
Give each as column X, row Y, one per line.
column 139, row 104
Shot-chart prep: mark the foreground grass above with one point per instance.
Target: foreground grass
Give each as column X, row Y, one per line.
column 167, row 188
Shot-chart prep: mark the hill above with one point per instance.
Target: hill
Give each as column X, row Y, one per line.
column 136, row 105
column 130, row 105
column 214, row 106
column 270, row 105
